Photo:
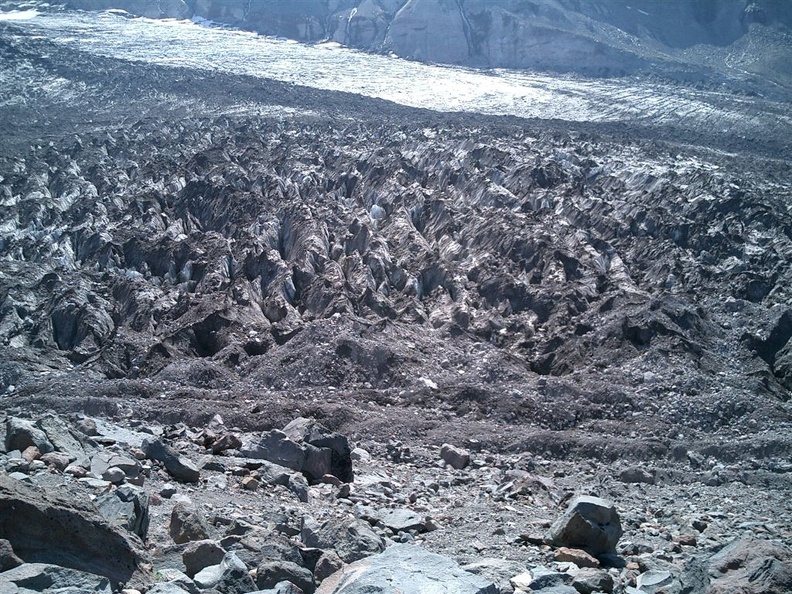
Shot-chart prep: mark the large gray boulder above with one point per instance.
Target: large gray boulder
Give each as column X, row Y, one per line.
column 64, row 530
column 43, row 577
column 589, row 523
column 128, row 507
column 21, row 434
column 351, row 539
column 405, row 569
column 751, row 566
column 276, row 447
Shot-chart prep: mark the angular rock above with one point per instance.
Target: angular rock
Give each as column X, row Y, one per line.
column 227, row 441
column 103, row 461
column 351, row 539
column 8, row 558
column 313, row 433
column 230, row 576
column 201, row 554
column 62, row 530
column 61, row 437
column 128, row 507
column 179, row 467
column 187, row 524
column 21, row 434
column 271, row 573
column 43, row 577
column 326, row 566
column 57, row 460
column 589, row 523
column 401, row 520
column 589, row 580
column 405, row 569
column 577, row 556
column 174, row 578
column 275, row 446
column 454, row 457
column 636, row 475
column 751, row 566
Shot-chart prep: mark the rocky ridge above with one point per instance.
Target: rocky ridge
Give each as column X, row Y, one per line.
column 698, row 40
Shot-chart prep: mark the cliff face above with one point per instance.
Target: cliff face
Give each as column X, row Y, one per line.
column 606, row 37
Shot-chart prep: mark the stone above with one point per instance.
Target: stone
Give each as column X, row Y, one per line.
column 57, row 460
column 589, row 580
column 274, row 446
column 8, row 558
column 577, row 556
column 326, row 566
column 114, row 475
column 227, row 441
column 542, row 578
column 87, row 426
column 589, row 523
column 175, row 578
column 298, row 485
column 171, row 588
column 31, row 453
column 201, row 554
column 454, row 457
column 21, row 434
column 521, row 581
column 168, row 490
column 751, row 566
column 229, row 577
column 187, row 524
column 401, row 520
column 103, row 461
column 270, row 573
column 634, row 474
column 43, row 577
column 351, row 539
column 313, row 433
column 654, row 581
column 128, row 507
column 179, row 467
column 249, row 483
column 61, row 437
column 405, row 569
column 62, row 529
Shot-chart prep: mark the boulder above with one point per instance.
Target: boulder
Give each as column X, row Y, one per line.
column 275, row 446
column 312, row 433
column 454, row 457
column 21, row 434
column 8, row 558
column 326, row 566
column 589, row 523
column 270, row 573
column 227, row 441
column 128, row 507
column 401, row 520
column 230, row 576
column 589, row 580
column 179, row 467
column 66, row 530
column 577, row 556
column 351, row 539
column 405, row 569
column 61, row 437
column 633, row 474
column 43, row 577
column 751, row 566
column 201, row 554
column 187, row 524
column 103, row 461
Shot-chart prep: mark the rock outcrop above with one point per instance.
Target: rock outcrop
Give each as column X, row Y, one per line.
column 57, row 529
column 603, row 38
